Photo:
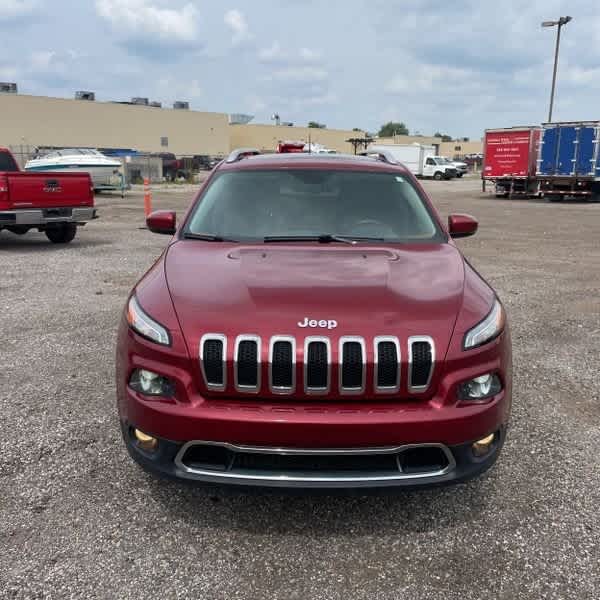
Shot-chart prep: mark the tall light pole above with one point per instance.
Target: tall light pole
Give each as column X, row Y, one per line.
column 561, row 21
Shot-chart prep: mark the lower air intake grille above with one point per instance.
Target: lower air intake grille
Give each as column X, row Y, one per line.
column 387, row 365
column 421, row 363
column 317, row 366
column 247, row 364
column 213, row 363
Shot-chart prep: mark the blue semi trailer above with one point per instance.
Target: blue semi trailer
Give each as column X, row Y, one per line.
column 569, row 160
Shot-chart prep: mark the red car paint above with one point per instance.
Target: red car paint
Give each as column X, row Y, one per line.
column 44, row 201
column 290, row 147
column 370, row 290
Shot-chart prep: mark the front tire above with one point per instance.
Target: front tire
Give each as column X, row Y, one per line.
column 438, row 176
column 62, row 234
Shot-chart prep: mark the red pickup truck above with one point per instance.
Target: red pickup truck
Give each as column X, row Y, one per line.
column 55, row 203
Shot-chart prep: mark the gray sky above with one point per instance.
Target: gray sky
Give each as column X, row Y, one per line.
column 457, row 67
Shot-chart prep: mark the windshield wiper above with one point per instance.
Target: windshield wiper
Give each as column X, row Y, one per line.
column 325, row 238
column 207, row 237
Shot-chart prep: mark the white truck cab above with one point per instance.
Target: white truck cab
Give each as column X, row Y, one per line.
column 421, row 160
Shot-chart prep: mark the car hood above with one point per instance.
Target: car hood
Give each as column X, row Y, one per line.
column 268, row 290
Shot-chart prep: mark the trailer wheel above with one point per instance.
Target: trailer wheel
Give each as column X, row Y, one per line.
column 438, row 176
column 62, row 234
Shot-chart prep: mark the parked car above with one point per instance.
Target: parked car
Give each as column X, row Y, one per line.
column 312, row 323
column 460, row 166
column 55, row 203
column 172, row 166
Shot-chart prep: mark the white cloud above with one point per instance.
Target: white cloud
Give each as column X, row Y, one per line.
column 275, row 54
column 145, row 18
column 299, row 75
column 9, row 9
column 8, row 73
column 236, row 21
column 427, row 78
column 172, row 88
column 41, row 59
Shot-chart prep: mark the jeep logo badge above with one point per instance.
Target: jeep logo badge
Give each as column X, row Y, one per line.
column 322, row 324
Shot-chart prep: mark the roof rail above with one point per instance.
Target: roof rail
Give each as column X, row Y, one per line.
column 241, row 153
column 381, row 155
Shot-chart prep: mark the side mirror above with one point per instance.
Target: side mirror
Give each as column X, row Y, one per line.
column 461, row 226
column 162, row 221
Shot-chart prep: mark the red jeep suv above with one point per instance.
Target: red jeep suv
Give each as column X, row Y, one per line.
column 313, row 324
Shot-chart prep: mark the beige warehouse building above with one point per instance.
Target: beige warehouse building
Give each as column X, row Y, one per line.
column 39, row 121
column 34, row 121
column 266, row 137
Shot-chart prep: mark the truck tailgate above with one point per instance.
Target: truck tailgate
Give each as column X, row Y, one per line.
column 46, row 190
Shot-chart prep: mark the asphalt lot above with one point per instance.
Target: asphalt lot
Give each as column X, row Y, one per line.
column 78, row 519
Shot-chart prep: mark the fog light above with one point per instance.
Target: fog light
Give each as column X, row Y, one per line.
column 145, row 441
column 480, row 388
column 151, row 384
column 482, row 446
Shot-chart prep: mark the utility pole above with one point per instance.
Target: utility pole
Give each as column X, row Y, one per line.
column 559, row 24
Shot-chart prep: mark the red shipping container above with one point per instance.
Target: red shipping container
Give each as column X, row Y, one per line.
column 511, row 152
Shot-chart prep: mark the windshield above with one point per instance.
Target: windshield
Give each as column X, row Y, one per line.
column 254, row 205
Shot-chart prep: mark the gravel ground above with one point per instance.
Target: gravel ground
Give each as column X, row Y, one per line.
column 80, row 520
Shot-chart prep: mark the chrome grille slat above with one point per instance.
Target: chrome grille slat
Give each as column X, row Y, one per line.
column 310, row 355
column 352, row 359
column 278, row 377
column 421, row 362
column 247, row 363
column 212, row 381
column 385, row 364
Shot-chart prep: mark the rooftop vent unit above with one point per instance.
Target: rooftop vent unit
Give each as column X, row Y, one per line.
column 156, row 104
column 240, row 119
column 83, row 95
column 140, row 101
column 181, row 105
column 8, row 88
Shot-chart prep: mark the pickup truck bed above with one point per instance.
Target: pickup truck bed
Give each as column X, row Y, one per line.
column 55, row 203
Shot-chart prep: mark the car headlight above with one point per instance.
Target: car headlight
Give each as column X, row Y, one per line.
column 488, row 329
column 147, row 327
column 480, row 388
column 151, row 384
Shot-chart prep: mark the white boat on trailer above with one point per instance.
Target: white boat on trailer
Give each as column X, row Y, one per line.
column 106, row 173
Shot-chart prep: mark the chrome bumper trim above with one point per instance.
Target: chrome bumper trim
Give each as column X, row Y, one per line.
column 36, row 216
column 268, row 478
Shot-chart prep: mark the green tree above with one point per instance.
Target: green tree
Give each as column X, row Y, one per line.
column 356, row 129
column 392, row 128
column 316, row 125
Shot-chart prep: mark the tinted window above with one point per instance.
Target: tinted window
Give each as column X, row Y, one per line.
column 7, row 163
column 250, row 205
column 430, row 161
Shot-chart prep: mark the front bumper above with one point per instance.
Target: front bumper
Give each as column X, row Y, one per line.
column 325, row 468
column 45, row 216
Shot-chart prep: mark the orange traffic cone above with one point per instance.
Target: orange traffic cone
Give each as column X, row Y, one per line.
column 147, row 197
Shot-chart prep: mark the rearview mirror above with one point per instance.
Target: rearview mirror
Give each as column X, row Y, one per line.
column 461, row 226
column 162, row 221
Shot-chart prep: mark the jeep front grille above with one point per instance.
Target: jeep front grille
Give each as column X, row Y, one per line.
column 317, row 369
